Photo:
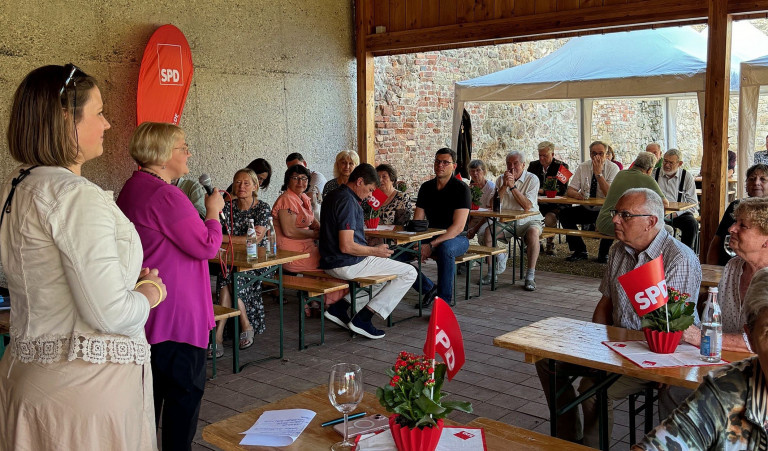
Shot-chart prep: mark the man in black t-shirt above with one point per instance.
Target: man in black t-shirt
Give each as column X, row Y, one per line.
column 345, row 254
column 444, row 201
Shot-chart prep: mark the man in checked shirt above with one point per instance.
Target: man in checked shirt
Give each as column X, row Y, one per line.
column 639, row 225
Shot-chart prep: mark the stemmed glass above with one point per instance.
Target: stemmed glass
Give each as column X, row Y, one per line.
column 345, row 390
column 727, row 246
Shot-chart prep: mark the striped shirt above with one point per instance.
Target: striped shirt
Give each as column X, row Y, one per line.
column 681, row 267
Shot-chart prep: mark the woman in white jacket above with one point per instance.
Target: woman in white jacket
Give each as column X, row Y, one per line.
column 76, row 374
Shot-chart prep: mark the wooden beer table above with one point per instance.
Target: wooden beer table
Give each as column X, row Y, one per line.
column 505, row 216
column 226, row 434
column 580, row 343
column 598, row 202
column 274, row 275
column 711, row 275
column 405, row 242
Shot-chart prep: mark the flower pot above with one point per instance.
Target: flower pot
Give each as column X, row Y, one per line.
column 415, row 439
column 550, row 194
column 372, row 223
column 475, row 206
column 662, row 342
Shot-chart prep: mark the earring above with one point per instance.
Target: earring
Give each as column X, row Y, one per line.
column 163, row 166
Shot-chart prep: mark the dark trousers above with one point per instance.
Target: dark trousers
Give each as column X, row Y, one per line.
column 570, row 217
column 688, row 227
column 178, row 372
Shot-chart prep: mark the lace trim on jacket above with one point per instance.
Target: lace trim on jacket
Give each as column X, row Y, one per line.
column 88, row 347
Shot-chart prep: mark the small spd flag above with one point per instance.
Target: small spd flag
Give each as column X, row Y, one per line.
column 444, row 337
column 563, row 174
column 646, row 286
column 377, row 199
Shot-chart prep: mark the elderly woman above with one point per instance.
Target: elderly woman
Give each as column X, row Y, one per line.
column 397, row 209
column 611, row 155
column 477, row 226
column 263, row 171
column 749, row 239
column 179, row 244
column 728, row 411
column 346, row 160
column 76, row 374
column 297, row 228
column 244, row 207
column 757, row 186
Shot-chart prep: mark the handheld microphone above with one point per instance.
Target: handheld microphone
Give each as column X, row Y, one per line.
column 205, row 180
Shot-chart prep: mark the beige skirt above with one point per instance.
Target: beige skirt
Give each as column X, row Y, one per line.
column 76, row 405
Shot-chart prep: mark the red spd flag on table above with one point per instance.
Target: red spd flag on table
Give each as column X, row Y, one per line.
column 444, row 337
column 646, row 286
column 563, row 174
column 164, row 77
column 377, row 199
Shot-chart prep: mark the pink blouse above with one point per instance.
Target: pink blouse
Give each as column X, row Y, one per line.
column 301, row 209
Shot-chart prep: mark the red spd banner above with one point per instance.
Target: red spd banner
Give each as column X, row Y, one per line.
column 646, row 286
column 444, row 337
column 164, row 77
column 563, row 174
column 377, row 199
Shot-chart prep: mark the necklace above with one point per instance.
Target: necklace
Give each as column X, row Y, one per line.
column 146, row 171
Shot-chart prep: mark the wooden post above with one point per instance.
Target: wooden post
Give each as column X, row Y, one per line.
column 717, row 94
column 365, row 67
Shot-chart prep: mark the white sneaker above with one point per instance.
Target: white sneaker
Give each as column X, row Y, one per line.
column 501, row 263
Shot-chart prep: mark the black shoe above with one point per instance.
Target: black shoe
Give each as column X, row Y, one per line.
column 577, row 256
column 428, row 298
column 602, row 259
column 365, row 328
column 337, row 316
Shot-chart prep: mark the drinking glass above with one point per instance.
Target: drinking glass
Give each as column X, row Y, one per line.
column 345, row 390
column 727, row 246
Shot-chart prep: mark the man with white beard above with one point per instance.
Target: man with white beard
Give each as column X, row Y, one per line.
column 678, row 185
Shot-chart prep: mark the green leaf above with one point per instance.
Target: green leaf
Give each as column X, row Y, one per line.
column 462, row 406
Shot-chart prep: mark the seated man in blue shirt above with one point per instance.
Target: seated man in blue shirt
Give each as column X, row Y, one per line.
column 444, row 201
column 345, row 254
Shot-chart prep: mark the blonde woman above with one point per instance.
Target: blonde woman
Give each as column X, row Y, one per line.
column 346, row 161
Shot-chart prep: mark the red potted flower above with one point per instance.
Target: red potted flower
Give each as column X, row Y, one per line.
column 370, row 216
column 550, row 187
column 477, row 194
column 664, row 326
column 414, row 395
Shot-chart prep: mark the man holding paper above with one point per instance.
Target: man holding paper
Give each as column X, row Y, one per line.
column 639, row 225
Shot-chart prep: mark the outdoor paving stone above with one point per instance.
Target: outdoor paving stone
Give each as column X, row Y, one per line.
column 536, row 409
column 521, row 419
column 212, row 412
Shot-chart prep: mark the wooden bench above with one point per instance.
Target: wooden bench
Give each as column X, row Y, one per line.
column 312, row 289
column 222, row 314
column 485, row 251
column 355, row 285
column 465, row 260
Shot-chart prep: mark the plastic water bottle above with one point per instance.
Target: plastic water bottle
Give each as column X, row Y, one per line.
column 271, row 239
column 251, row 246
column 711, row 329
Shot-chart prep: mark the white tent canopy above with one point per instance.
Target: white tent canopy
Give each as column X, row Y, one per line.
column 643, row 63
column 754, row 76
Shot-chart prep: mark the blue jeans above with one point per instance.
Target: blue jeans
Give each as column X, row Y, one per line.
column 445, row 255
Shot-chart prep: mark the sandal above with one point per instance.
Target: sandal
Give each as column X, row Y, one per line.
column 312, row 309
column 246, row 339
column 219, row 350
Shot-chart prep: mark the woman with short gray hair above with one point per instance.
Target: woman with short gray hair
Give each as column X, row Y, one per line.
column 730, row 408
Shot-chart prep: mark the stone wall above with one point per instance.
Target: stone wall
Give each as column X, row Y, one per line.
column 414, row 109
column 270, row 77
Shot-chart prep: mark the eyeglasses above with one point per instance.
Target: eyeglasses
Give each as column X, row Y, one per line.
column 72, row 69
column 184, row 149
column 300, row 179
column 624, row 215
column 443, row 162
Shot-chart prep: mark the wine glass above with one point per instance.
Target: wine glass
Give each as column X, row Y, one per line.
column 345, row 390
column 727, row 246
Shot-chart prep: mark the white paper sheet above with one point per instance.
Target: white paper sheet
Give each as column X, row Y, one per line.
column 638, row 353
column 277, row 427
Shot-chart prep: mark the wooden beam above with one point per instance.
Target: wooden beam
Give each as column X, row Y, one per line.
column 747, row 6
column 543, row 26
column 365, row 104
column 714, row 161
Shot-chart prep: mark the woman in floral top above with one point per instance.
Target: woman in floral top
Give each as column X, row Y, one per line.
column 397, row 209
column 244, row 207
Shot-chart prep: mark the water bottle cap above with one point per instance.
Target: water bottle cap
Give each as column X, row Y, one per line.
column 712, row 290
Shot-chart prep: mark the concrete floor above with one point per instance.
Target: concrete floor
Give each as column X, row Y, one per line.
column 500, row 385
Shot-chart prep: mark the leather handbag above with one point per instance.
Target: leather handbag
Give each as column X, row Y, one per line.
column 417, row 225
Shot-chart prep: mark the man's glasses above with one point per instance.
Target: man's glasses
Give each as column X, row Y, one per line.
column 624, row 215
column 443, row 162
column 300, row 179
